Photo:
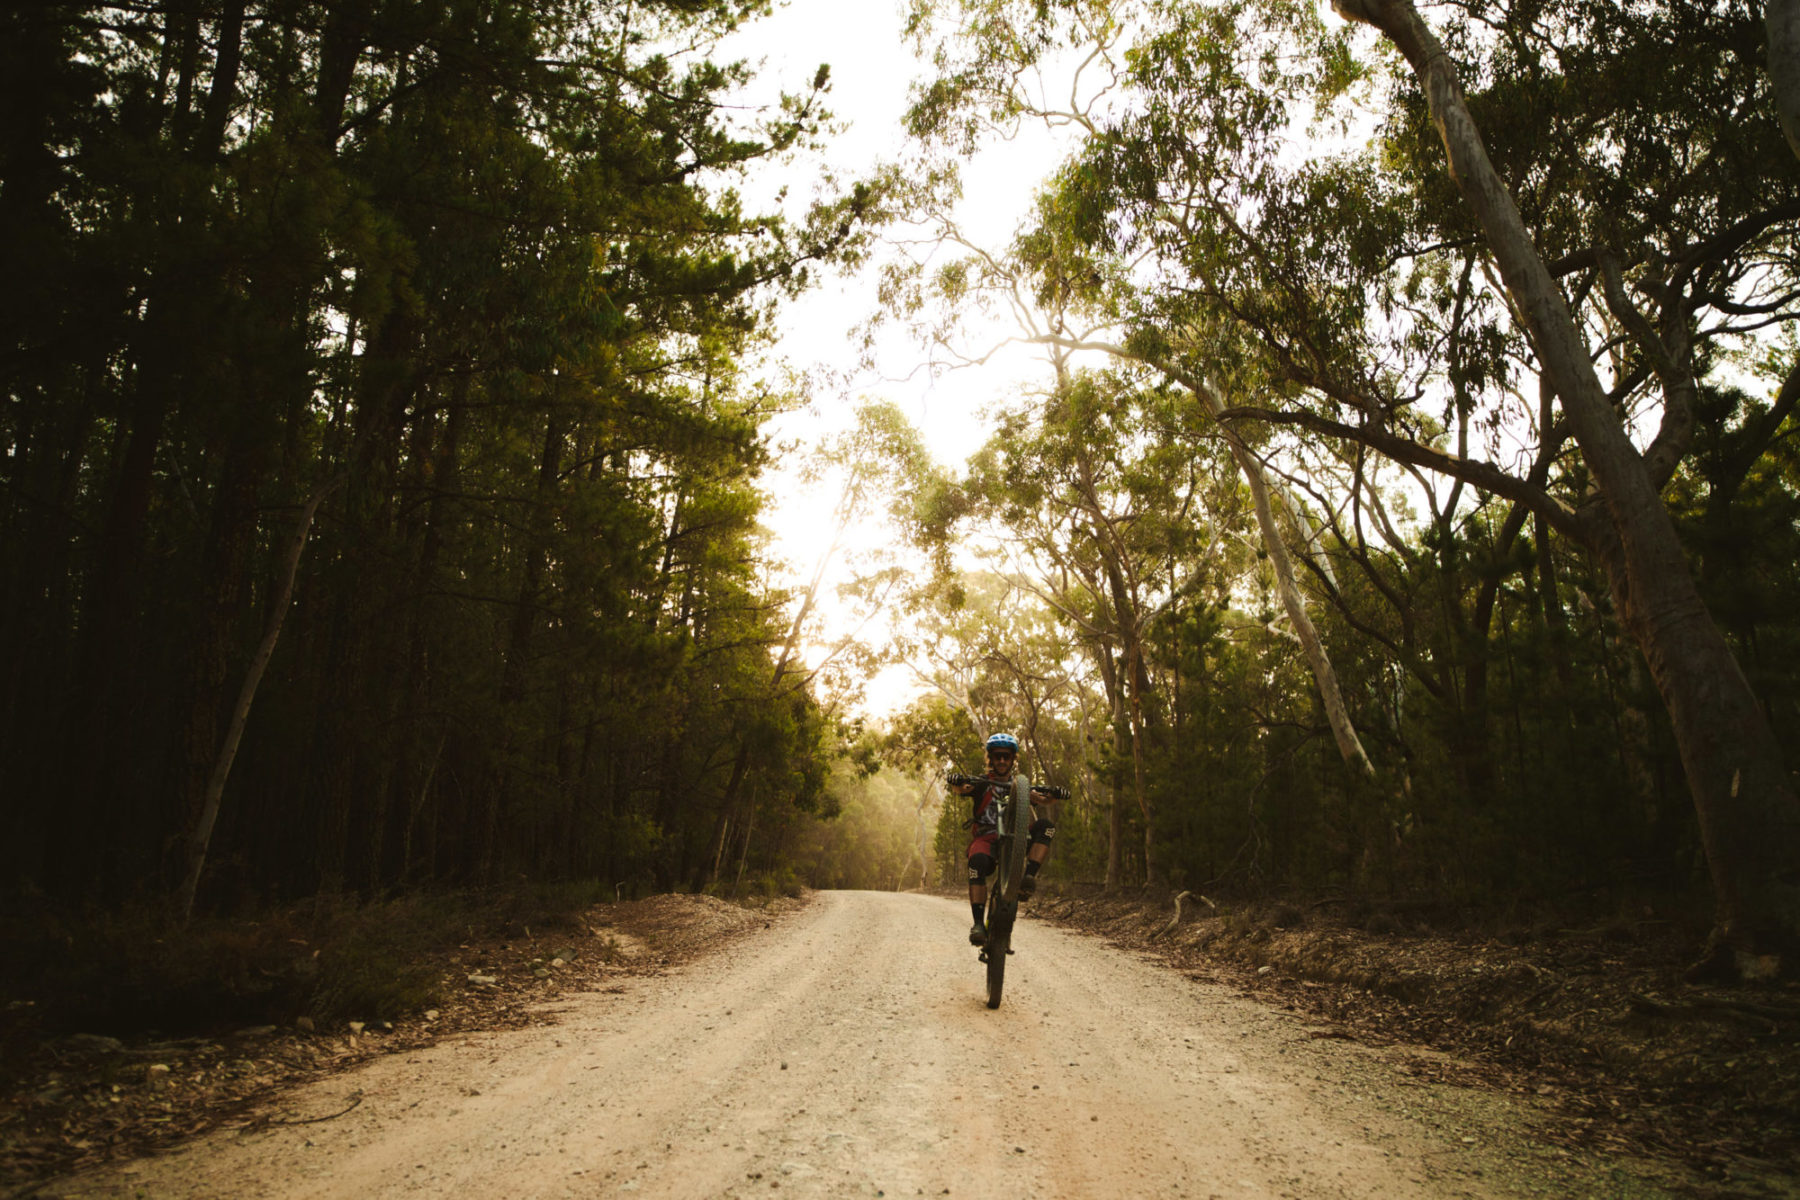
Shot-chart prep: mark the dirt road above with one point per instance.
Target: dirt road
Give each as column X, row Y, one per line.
column 847, row 1051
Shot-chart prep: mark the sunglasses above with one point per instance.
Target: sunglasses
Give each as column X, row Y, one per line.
column 1008, row 755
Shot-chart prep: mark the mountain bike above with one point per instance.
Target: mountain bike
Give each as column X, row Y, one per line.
column 1012, row 825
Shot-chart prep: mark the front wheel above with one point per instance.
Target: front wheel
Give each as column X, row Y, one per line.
column 999, row 944
column 1013, row 841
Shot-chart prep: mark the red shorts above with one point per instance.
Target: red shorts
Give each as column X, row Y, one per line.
column 984, row 843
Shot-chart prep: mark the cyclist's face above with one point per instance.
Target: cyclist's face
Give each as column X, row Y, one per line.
column 1000, row 761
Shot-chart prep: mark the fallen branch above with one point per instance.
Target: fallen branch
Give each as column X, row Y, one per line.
column 355, row 1100
column 1175, row 921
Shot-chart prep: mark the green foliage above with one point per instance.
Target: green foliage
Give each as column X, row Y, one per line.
column 371, row 976
column 483, row 268
column 929, row 733
column 1264, row 264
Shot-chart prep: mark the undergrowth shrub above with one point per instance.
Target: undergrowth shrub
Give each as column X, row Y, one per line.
column 331, row 959
column 559, row 905
column 780, row 882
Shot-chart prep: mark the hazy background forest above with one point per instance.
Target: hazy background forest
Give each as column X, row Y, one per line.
column 383, row 504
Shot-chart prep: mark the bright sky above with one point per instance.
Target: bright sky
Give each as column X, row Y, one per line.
column 871, row 69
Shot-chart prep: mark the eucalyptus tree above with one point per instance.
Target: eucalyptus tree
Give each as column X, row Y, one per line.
column 970, row 642
column 1622, row 234
column 1099, row 507
column 990, row 82
column 1707, row 258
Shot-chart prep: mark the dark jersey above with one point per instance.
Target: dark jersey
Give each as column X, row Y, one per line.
column 985, row 802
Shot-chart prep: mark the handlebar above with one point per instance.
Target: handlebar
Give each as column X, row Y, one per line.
column 1037, row 789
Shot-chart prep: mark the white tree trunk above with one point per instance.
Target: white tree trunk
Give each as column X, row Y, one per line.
column 1782, row 20
column 1349, row 745
column 1748, row 813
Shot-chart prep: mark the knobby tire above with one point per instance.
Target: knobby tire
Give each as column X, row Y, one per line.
column 1003, row 908
column 999, row 941
column 1013, row 841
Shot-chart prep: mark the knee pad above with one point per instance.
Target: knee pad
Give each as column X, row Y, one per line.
column 980, row 867
column 1042, row 830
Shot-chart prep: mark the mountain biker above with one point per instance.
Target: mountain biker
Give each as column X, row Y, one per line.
column 1002, row 753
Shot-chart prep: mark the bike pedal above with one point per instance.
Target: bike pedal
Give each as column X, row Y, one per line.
column 982, row 957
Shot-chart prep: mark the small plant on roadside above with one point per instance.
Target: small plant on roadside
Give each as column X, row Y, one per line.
column 1285, row 916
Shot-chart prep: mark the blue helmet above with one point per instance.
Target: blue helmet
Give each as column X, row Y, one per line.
column 1003, row 741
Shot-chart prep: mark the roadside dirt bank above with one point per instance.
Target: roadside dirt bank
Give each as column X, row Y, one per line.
column 74, row 1098
column 844, row 1050
column 1591, row 1018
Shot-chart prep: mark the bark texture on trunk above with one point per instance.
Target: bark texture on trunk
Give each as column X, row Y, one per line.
column 1781, row 18
column 1748, row 813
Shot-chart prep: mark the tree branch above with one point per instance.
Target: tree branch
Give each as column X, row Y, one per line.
column 1483, row 475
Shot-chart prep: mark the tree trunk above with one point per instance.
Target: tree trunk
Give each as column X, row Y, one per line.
column 222, row 96
column 1749, row 815
column 104, row 732
column 1555, row 620
column 1133, row 681
column 1331, row 696
column 224, row 589
column 1115, row 824
column 928, row 792
column 1473, row 720
column 1349, row 746
column 200, row 836
column 1782, row 20
column 737, row 886
column 519, row 643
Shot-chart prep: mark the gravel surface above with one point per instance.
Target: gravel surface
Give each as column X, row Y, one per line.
column 846, row 1050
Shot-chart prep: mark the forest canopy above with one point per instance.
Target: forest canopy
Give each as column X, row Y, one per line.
column 1475, row 325
column 1409, row 505
column 380, row 499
